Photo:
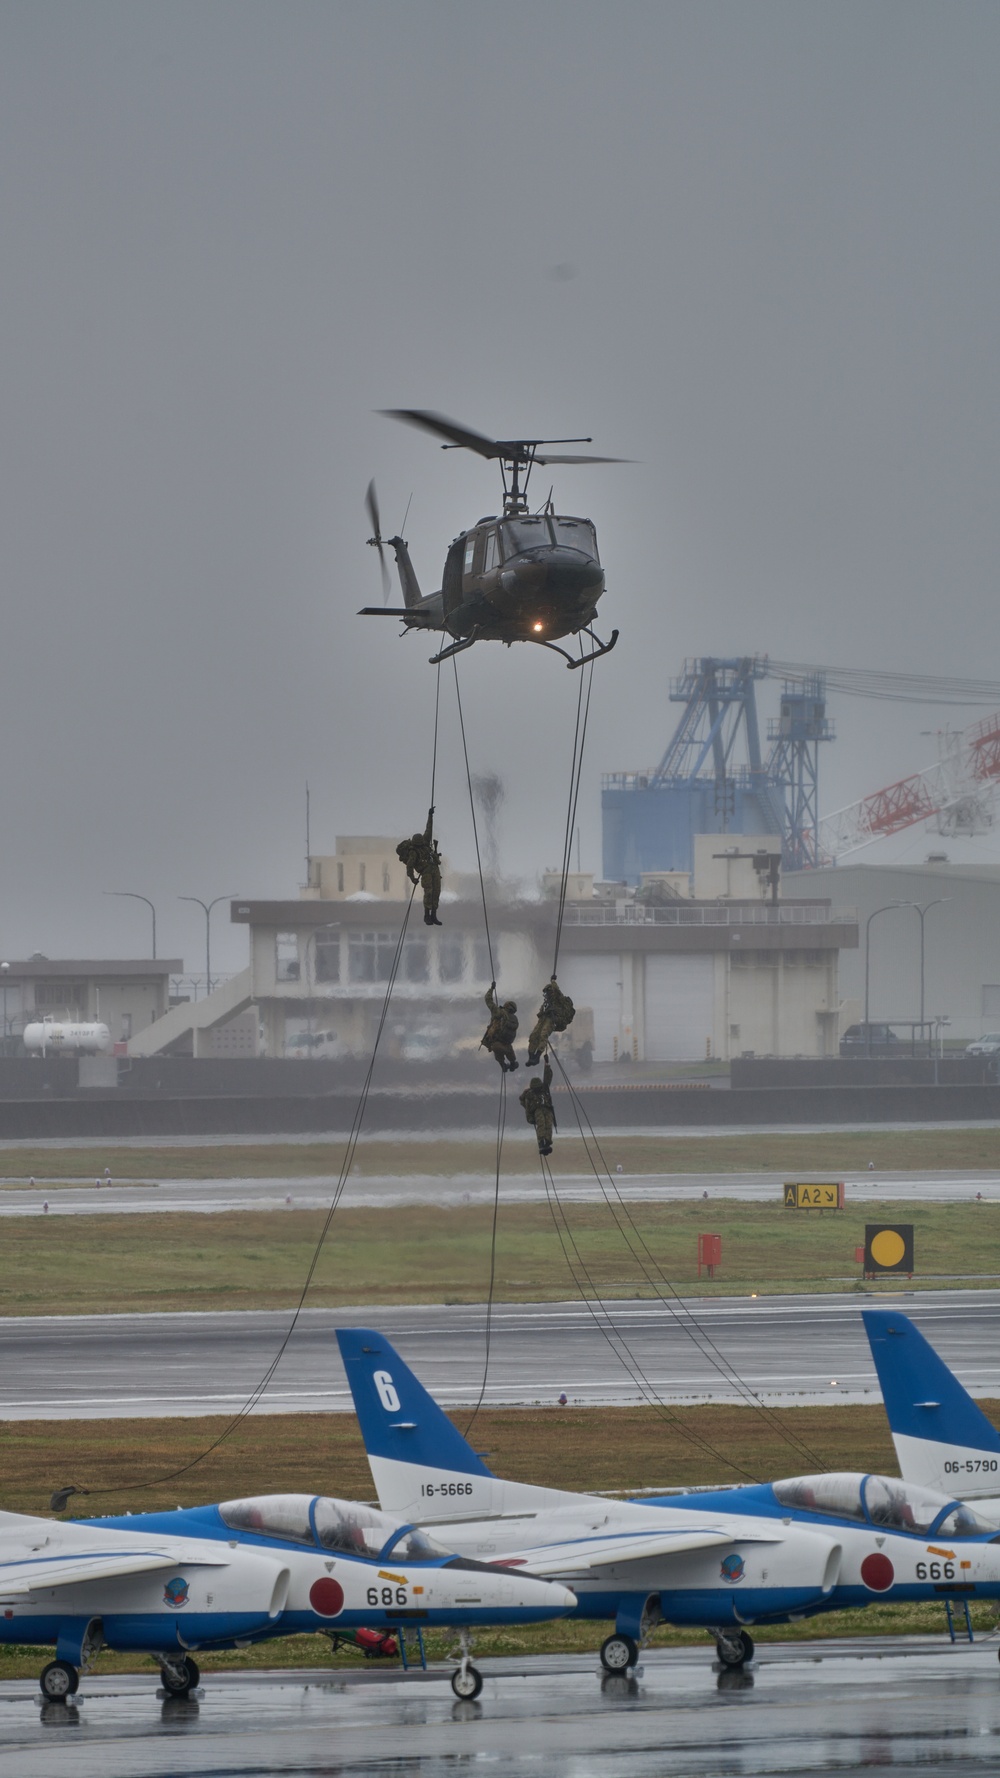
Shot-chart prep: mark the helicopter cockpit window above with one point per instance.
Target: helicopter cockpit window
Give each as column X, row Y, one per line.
column 490, row 559
column 525, row 533
column 576, row 534
column 271, row 1515
column 470, row 554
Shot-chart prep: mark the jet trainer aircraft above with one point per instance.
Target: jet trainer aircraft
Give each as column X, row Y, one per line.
column 719, row 1558
column 942, row 1439
column 223, row 1576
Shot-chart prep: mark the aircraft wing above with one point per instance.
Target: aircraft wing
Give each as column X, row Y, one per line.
column 584, row 1555
column 21, row 1576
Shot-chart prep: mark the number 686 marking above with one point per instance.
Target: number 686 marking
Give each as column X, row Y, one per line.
column 387, row 1595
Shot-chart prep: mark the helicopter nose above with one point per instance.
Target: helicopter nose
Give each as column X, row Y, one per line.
column 571, row 571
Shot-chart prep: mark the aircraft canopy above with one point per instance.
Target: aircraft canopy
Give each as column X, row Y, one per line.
column 881, row 1500
column 345, row 1525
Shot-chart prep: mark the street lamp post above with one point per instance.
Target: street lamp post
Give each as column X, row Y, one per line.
column 884, row 909
column 920, row 912
column 207, row 906
column 132, row 896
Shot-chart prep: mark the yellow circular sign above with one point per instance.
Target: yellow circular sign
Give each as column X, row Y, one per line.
column 888, row 1248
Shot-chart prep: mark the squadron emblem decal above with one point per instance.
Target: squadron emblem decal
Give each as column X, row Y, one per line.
column 732, row 1568
column 176, row 1592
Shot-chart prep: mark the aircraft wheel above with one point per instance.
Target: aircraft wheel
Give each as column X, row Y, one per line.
column 180, row 1679
column 58, row 1680
column 617, row 1653
column 466, row 1683
column 735, row 1651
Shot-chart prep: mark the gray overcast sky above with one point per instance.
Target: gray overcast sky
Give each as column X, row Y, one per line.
column 233, row 229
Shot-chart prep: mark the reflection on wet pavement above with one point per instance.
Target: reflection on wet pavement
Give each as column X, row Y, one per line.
column 914, row 1705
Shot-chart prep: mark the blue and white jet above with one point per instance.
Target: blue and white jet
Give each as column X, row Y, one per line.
column 942, row 1439
column 218, row 1577
column 719, row 1558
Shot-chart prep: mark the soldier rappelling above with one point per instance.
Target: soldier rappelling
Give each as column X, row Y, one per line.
column 555, row 1014
column 423, row 865
column 501, row 1031
column 537, row 1102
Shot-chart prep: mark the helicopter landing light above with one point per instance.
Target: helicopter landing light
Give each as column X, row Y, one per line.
column 537, row 626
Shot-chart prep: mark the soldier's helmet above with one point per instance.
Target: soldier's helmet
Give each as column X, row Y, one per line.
column 510, row 1006
column 417, row 839
column 535, row 1082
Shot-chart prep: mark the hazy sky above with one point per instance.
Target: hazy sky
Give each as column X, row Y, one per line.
column 751, row 244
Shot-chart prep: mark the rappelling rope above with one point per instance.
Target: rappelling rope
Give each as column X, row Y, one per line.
column 657, row 1280
column 576, row 768
column 437, row 707
column 501, row 1124
column 349, row 1154
column 502, row 1110
column 616, row 1340
column 475, row 829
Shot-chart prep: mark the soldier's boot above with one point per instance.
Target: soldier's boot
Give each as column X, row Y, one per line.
column 545, row 1148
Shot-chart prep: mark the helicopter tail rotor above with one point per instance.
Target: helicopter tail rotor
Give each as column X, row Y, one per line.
column 371, row 504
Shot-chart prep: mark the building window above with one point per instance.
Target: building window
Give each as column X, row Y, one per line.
column 481, row 961
column 416, row 960
column 361, row 876
column 369, row 956
column 66, row 996
column 327, row 956
column 451, row 959
column 340, row 879
column 286, row 957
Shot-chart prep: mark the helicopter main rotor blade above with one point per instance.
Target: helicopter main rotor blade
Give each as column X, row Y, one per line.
column 442, row 427
column 371, row 502
column 550, row 459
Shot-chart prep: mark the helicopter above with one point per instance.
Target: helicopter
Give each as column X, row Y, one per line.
column 520, row 577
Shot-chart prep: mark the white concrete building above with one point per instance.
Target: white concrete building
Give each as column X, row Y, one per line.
column 961, row 934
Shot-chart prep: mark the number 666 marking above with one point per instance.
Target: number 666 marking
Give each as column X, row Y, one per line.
column 935, row 1570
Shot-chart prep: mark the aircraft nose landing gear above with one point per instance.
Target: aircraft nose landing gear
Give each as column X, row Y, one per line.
column 466, row 1681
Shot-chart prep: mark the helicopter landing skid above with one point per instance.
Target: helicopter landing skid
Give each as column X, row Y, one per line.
column 455, row 648
column 595, row 655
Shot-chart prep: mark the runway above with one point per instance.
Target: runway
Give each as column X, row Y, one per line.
column 790, row 1350
column 385, row 1191
column 914, row 1705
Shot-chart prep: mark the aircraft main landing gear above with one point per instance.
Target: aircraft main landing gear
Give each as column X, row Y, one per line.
column 179, row 1677
column 734, row 1650
column 58, row 1681
column 618, row 1653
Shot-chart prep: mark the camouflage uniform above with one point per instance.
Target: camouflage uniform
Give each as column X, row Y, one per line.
column 537, row 1102
column 555, row 1013
column 423, row 865
column 501, row 1031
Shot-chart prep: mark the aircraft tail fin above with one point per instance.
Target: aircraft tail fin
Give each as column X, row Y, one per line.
column 942, row 1439
column 420, row 1463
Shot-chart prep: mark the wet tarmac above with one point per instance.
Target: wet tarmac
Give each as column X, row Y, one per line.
column 914, row 1705
column 384, row 1191
column 786, row 1349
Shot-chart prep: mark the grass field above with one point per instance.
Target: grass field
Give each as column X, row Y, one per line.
column 839, row 1153
column 596, row 1449
column 258, row 1259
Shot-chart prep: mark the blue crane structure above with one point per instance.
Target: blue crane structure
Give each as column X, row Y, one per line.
column 713, row 777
